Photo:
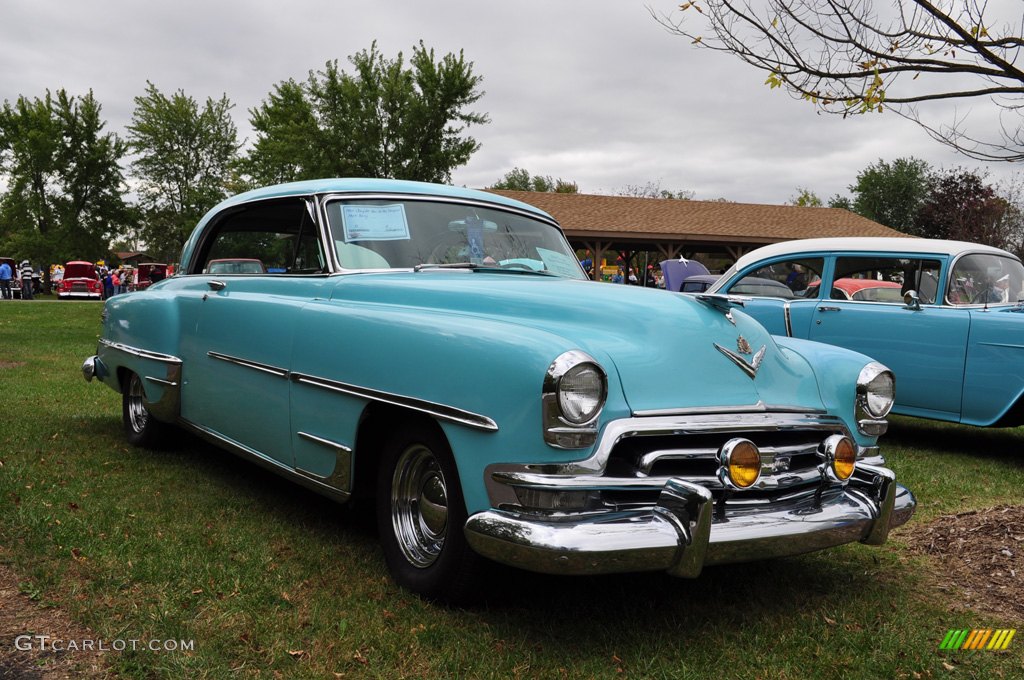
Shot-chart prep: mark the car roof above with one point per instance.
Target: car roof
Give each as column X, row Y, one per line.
column 364, row 185
column 868, row 244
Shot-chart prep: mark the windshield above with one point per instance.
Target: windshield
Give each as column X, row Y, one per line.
column 402, row 234
column 985, row 279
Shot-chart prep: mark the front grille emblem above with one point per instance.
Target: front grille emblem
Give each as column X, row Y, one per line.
column 755, row 361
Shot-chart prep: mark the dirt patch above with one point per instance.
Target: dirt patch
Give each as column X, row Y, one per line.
column 980, row 560
column 20, row 615
column 11, row 364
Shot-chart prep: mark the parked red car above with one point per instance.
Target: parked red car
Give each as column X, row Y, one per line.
column 81, row 280
column 149, row 273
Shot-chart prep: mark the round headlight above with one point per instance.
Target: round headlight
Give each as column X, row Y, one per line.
column 876, row 390
column 841, row 456
column 581, row 393
column 740, row 463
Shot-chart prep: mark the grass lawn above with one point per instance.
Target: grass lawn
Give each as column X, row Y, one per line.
column 267, row 579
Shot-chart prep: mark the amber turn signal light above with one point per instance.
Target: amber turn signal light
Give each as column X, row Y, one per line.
column 740, row 463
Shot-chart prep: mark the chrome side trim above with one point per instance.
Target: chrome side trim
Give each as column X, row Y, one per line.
column 253, row 456
column 341, row 478
column 787, row 314
column 255, row 365
column 442, row 411
column 168, row 407
column 139, row 352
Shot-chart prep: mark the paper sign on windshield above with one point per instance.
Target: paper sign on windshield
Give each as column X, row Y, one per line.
column 560, row 263
column 375, row 223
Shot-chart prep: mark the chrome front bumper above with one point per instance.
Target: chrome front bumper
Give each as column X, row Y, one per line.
column 680, row 536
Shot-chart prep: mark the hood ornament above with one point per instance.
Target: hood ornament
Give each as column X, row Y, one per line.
column 737, row 358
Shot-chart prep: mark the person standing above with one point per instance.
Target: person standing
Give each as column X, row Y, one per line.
column 5, row 280
column 26, row 280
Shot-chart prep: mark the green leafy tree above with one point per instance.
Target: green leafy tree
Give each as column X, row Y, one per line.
column 185, row 155
column 805, row 198
column 64, row 183
column 892, row 193
column 842, row 202
column 519, row 179
column 385, row 119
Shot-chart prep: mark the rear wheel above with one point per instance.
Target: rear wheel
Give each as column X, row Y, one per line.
column 140, row 427
column 421, row 514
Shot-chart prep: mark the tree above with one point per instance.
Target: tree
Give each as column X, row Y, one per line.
column 962, row 207
column 849, row 58
column 518, row 179
column 383, row 120
column 842, row 202
column 805, row 198
column 892, row 193
column 654, row 190
column 185, row 156
column 64, row 196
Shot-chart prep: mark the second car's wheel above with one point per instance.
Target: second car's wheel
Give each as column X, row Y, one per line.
column 140, row 427
column 420, row 514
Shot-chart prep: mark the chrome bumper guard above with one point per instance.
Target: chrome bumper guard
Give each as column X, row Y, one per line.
column 680, row 536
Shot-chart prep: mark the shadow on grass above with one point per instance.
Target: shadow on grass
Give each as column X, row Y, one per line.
column 1003, row 444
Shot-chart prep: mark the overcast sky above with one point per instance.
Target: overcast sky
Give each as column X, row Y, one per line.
column 590, row 91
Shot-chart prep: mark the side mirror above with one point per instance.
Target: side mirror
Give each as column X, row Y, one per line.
column 912, row 300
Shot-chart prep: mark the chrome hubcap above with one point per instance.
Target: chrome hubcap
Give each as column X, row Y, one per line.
column 137, row 413
column 419, row 506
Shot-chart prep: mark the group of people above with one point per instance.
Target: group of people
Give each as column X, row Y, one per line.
column 115, row 281
column 22, row 276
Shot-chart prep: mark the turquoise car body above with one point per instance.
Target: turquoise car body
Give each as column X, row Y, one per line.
column 308, row 372
column 956, row 358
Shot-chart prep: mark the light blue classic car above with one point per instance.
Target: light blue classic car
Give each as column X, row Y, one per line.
column 441, row 350
column 945, row 316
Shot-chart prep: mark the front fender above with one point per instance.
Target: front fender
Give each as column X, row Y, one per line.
column 836, row 370
column 487, row 367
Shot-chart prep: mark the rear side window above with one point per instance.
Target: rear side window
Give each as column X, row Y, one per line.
column 886, row 279
column 272, row 237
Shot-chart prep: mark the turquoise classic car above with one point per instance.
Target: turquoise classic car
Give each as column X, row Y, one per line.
column 441, row 351
column 945, row 316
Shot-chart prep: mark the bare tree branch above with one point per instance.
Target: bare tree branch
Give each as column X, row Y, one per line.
column 851, row 57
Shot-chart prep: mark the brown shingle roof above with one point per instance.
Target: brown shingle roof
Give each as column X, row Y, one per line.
column 591, row 216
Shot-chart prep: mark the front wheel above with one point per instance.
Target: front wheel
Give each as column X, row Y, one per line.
column 140, row 427
column 421, row 514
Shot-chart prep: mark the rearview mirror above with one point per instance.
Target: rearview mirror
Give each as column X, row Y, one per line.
column 911, row 300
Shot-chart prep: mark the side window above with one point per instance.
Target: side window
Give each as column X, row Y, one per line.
column 885, row 279
column 985, row 279
column 275, row 237
column 787, row 279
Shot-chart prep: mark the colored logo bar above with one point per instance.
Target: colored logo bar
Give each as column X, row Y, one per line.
column 978, row 638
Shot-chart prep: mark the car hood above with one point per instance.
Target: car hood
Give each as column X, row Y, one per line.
column 662, row 345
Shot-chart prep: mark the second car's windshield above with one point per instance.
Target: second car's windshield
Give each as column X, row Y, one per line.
column 402, row 234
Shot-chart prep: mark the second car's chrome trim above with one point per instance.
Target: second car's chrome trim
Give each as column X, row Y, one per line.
column 442, row 411
column 314, row 482
column 265, row 368
column 341, row 477
column 139, row 352
column 787, row 314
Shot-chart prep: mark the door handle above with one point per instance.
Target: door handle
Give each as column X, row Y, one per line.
column 214, row 284
column 828, row 309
